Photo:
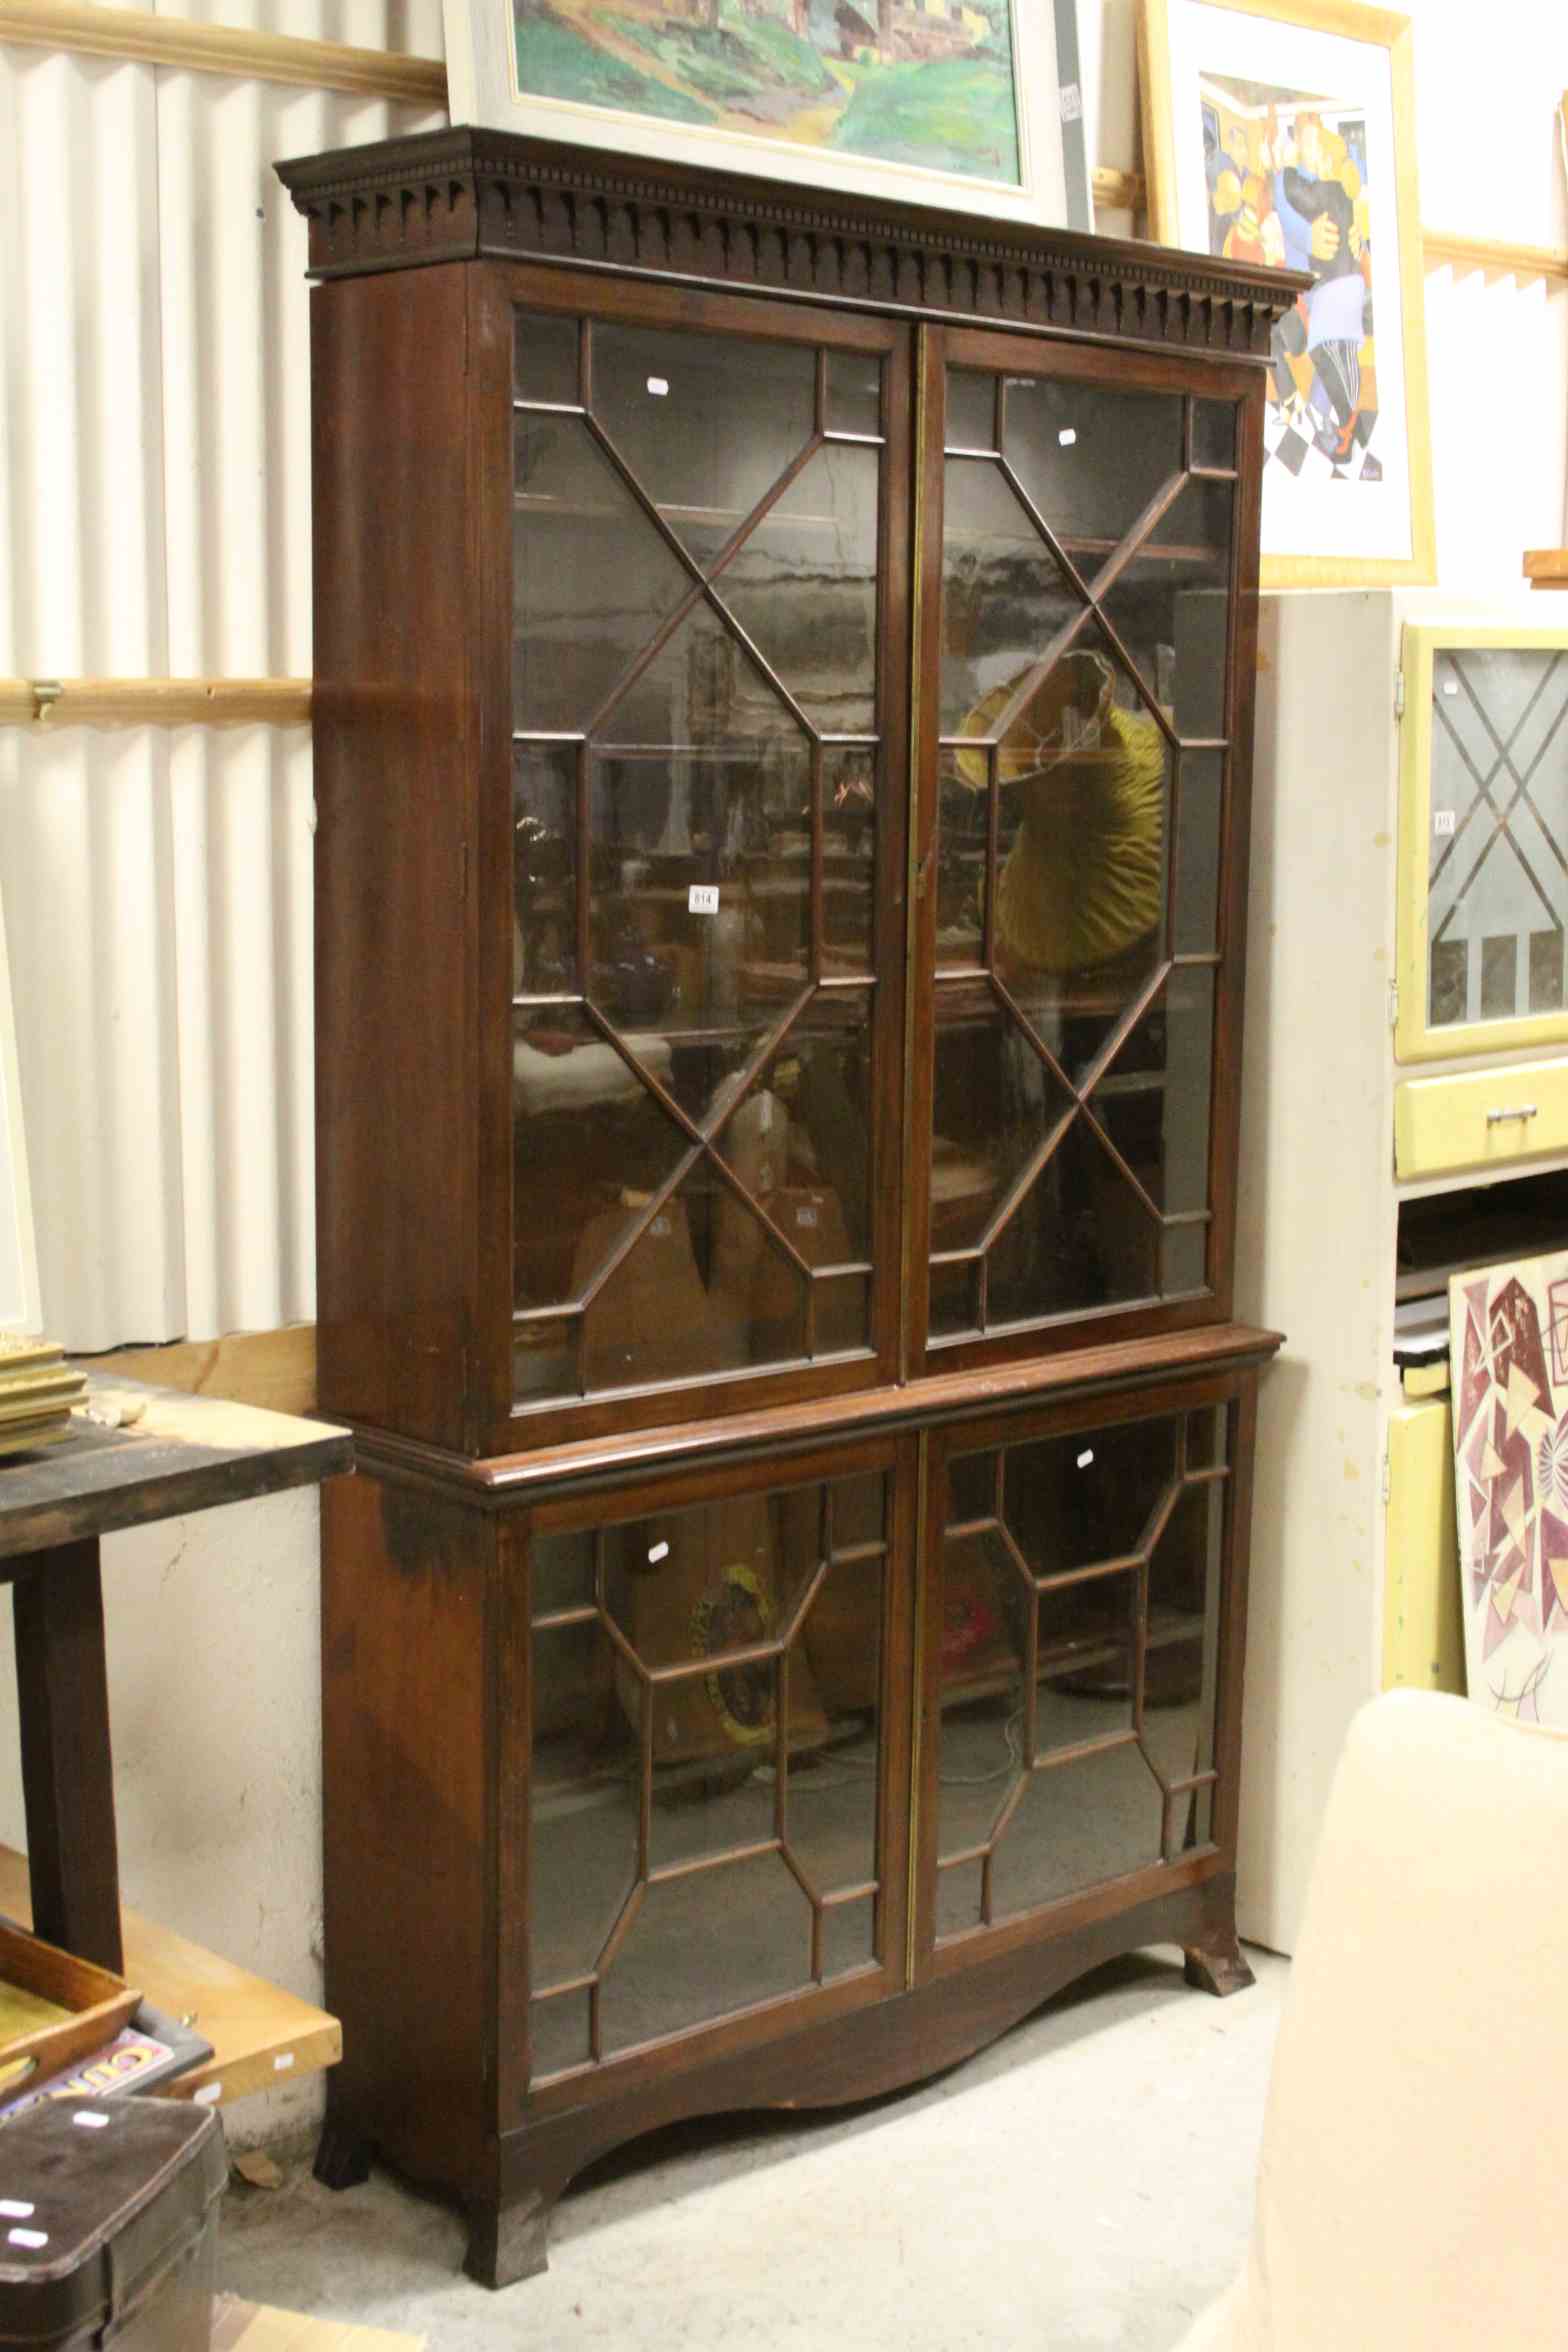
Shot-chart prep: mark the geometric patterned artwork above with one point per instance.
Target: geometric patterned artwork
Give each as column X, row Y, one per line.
column 1509, row 1344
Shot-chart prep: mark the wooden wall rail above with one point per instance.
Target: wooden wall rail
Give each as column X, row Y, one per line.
column 155, row 702
column 421, row 81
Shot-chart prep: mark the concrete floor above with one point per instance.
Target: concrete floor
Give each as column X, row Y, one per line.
column 1086, row 2181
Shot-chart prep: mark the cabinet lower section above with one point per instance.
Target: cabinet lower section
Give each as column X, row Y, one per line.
column 781, row 1781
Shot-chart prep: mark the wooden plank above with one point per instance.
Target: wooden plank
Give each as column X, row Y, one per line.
column 1441, row 250
column 273, row 1369
column 1547, row 567
column 249, row 56
column 261, row 2327
column 67, row 1772
column 261, row 2036
column 184, row 1454
column 153, row 702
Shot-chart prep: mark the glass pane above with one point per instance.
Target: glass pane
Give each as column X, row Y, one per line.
column 707, row 423
column 1086, row 1662
column 854, row 392
column 804, row 587
column 1213, row 433
column 995, row 1102
column 832, row 1778
column 849, row 795
column 1184, row 1140
column 1181, row 1666
column 584, row 1807
column 715, row 1802
column 544, row 869
column 958, row 1898
column 1170, row 609
column 985, row 1610
column 972, row 1487
column 971, row 410
column 702, row 692
column 1546, row 971
column 562, row 1570
column 962, row 818
column 588, row 1135
column 704, row 1946
column 1077, row 1825
column 1004, row 602
column 557, row 2035
column 1184, row 1260
column 1086, row 785
column 1201, row 789
column 1080, row 1239
column 859, row 1512
column 544, row 1360
column 591, row 578
column 678, row 1304
column 805, row 1135
column 842, row 1312
column 848, row 1937
column 1498, row 878
column 1206, row 1438
column 544, row 356
column 686, row 1587
column 1091, row 459
column 1090, row 1496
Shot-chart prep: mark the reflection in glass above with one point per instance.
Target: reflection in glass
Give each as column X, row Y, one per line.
column 1497, row 901
column 1077, row 1825
column 1004, row 597
column 557, row 2035
column 849, row 800
column 854, row 393
column 1202, row 785
column 1214, row 433
column 734, row 1607
column 971, row 410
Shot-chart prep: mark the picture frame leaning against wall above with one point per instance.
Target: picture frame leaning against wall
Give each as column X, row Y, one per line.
column 1283, row 131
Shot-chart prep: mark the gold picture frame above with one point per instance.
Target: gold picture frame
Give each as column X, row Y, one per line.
column 1310, row 95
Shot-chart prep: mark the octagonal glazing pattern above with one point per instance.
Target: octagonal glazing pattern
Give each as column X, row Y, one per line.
column 706, row 1789
column 698, row 764
column 1082, row 1578
column 1083, row 773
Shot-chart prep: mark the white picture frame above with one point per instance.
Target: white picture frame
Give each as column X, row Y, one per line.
column 20, row 1302
column 710, row 120
column 1347, row 473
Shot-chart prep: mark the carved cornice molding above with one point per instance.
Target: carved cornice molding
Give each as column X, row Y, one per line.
column 460, row 194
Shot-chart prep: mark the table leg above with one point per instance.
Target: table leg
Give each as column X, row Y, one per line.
column 67, row 1780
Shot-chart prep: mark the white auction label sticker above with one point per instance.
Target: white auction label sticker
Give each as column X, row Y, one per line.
column 659, row 1552
column 91, row 2119
column 29, row 2238
column 16, row 2209
column 1086, row 1457
column 703, row 898
column 281, row 2065
column 1443, row 821
column 208, row 2095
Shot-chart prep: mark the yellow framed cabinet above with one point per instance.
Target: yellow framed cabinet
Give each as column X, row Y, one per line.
column 1404, row 1113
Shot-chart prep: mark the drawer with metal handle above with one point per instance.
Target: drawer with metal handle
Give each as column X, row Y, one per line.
column 1480, row 1118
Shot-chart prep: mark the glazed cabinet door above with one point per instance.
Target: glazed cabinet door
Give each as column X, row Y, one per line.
column 711, row 1768
column 1087, row 607
column 708, row 729
column 1083, row 1615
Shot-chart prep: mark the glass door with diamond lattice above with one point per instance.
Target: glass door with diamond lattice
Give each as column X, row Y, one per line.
column 1080, row 719
column 1078, row 1584
column 705, row 660
column 1484, row 819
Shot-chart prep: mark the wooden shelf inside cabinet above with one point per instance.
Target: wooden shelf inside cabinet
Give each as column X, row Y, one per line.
column 261, row 2036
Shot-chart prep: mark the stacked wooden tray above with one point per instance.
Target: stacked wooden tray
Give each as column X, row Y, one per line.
column 37, row 1390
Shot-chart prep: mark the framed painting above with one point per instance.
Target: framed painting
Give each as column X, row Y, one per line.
column 1283, row 132
column 19, row 1300
column 971, row 104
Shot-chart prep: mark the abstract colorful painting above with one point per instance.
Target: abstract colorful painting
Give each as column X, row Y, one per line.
column 971, row 103
column 1280, row 134
column 1510, row 1391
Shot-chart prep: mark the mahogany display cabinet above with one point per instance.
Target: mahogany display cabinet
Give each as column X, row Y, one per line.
column 782, row 717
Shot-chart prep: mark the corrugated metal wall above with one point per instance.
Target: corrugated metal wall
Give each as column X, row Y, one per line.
column 155, row 519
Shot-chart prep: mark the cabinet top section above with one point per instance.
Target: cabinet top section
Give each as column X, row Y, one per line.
column 468, row 194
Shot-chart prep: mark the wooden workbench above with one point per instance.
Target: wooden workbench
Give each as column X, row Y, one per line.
column 181, row 1454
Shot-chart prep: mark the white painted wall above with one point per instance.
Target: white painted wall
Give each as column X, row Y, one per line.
column 154, row 515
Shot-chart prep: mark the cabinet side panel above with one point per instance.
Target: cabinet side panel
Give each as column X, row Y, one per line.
column 395, row 1063
column 404, row 1740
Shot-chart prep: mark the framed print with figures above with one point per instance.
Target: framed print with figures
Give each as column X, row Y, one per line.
column 975, row 105
column 1283, row 132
